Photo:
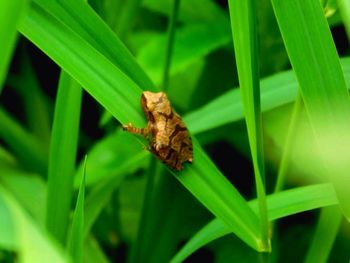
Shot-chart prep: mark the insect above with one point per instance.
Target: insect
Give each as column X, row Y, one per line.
column 167, row 135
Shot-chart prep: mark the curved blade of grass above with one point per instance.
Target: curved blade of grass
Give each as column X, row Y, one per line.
column 82, row 19
column 11, row 13
column 108, row 85
column 276, row 90
column 64, row 141
column 243, row 25
column 26, row 147
column 75, row 241
column 105, row 82
column 315, row 61
column 31, row 243
column 324, row 237
column 280, row 205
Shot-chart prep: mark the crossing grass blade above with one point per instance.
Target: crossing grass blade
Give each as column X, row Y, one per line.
column 280, row 205
column 315, row 62
column 276, row 90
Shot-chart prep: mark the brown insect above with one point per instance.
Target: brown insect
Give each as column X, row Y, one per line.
column 167, row 135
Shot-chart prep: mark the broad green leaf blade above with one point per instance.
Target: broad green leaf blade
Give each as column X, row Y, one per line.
column 243, row 25
column 29, row 151
column 315, row 61
column 81, row 18
column 324, row 237
column 276, row 90
column 105, row 82
column 120, row 95
column 280, row 205
column 75, row 241
column 64, row 141
column 31, row 243
column 11, row 13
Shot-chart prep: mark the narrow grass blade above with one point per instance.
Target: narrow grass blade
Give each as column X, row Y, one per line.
column 64, row 141
column 243, row 25
column 276, row 90
column 11, row 13
column 315, row 61
column 280, row 205
column 27, row 148
column 31, row 243
column 324, row 237
column 36, row 103
column 75, row 241
column 170, row 44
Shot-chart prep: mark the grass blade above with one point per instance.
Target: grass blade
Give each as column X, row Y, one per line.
column 282, row 204
column 120, row 96
column 27, row 148
column 11, row 13
column 243, row 25
column 63, row 149
column 75, row 242
column 315, row 61
column 326, row 232
column 276, row 90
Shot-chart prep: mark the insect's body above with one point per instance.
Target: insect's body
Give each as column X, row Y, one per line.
column 169, row 139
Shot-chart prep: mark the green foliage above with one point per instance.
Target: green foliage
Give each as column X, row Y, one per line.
column 129, row 205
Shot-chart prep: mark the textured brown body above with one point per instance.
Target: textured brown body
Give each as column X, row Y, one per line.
column 168, row 136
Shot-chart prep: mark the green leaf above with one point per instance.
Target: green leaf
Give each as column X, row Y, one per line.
column 120, row 95
column 29, row 151
column 114, row 156
column 11, row 13
column 30, row 242
column 243, row 25
column 276, row 90
column 191, row 44
column 75, row 241
column 103, row 80
column 280, row 205
column 22, row 185
column 81, row 18
column 315, row 61
column 324, row 237
column 64, row 141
